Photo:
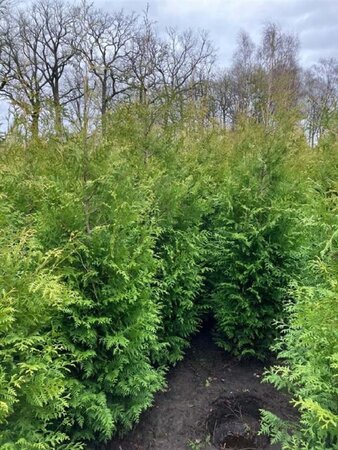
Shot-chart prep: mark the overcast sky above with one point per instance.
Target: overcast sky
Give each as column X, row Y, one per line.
column 315, row 21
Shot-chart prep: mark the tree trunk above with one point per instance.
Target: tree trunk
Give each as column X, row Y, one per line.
column 86, row 199
column 57, row 109
column 104, row 105
column 35, row 119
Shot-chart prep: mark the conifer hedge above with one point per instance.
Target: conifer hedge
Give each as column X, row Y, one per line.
column 113, row 251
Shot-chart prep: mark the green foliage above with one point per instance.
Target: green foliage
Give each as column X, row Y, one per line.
column 253, row 245
column 113, row 251
column 180, row 251
column 178, row 283
column 178, row 211
column 34, row 366
column 308, row 346
column 124, row 244
column 95, row 235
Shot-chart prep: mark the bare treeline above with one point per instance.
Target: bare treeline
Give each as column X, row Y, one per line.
column 266, row 82
column 65, row 64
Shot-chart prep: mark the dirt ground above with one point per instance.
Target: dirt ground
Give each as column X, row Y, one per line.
column 183, row 417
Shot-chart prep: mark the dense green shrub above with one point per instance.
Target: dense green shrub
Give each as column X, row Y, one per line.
column 113, row 251
column 100, row 237
column 309, row 349
column 308, row 346
column 179, row 249
column 253, row 245
column 34, row 365
column 124, row 243
column 179, row 207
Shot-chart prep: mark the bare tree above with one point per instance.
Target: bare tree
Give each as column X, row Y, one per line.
column 53, row 54
column 56, row 50
column 186, row 61
column 243, row 73
column 83, row 107
column 321, row 98
column 262, row 82
column 24, row 70
column 4, row 63
column 143, row 61
column 104, row 40
column 224, row 97
column 170, row 70
column 280, row 72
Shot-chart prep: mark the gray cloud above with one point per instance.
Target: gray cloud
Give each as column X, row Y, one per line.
column 315, row 21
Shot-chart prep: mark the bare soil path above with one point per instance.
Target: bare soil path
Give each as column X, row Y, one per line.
column 211, row 402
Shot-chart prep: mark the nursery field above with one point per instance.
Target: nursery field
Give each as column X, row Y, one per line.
column 168, row 236
column 113, row 263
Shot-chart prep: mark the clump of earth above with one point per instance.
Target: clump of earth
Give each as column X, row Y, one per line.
column 234, row 423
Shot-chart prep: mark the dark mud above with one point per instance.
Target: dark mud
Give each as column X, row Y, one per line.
column 212, row 402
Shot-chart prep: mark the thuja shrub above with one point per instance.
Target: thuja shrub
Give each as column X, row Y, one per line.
column 180, row 248
column 178, row 283
column 308, row 346
column 111, row 331
column 173, row 172
column 250, row 273
column 35, row 393
column 94, row 220
column 109, row 262
column 252, row 246
column 308, row 351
